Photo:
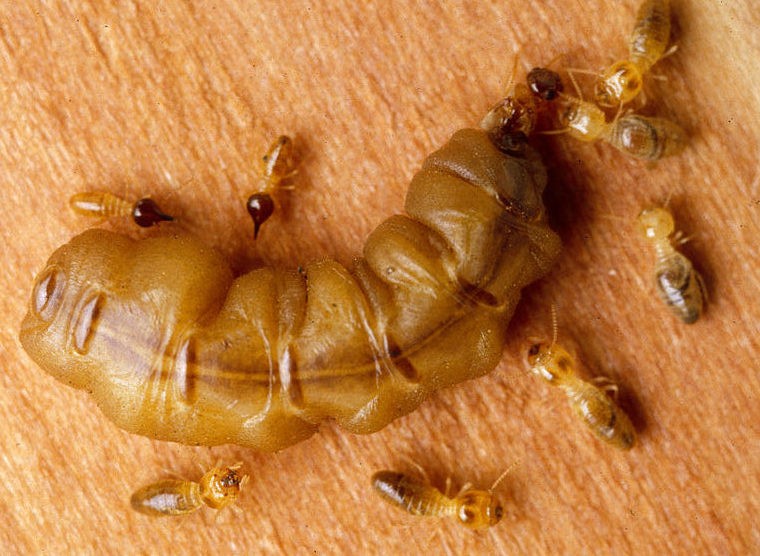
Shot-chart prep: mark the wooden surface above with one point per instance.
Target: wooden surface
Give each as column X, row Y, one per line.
column 176, row 99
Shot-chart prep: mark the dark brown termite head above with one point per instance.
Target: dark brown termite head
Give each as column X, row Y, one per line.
column 260, row 206
column 544, row 83
column 146, row 213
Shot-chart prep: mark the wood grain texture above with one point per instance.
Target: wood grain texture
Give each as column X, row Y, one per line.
column 175, row 99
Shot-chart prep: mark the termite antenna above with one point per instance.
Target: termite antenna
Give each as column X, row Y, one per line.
column 554, row 326
column 504, row 474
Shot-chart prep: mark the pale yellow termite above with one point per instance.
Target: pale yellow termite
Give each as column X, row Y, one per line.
column 591, row 403
column 473, row 508
column 144, row 212
column 217, row 489
column 622, row 81
column 643, row 137
column 679, row 285
column 277, row 166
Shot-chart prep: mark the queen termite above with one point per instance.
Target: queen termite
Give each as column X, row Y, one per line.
column 172, row 346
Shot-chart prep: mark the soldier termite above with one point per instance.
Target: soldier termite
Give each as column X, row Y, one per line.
column 473, row 508
column 277, row 166
column 622, row 81
column 144, row 212
column 217, row 489
column 591, row 403
column 172, row 346
column 642, row 137
column 678, row 284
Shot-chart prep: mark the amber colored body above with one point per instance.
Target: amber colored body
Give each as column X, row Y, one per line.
column 678, row 284
column 622, row 81
column 592, row 405
column 473, row 508
column 172, row 346
column 217, row 489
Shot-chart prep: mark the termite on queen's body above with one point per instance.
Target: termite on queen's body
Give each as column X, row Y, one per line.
column 217, row 489
column 145, row 212
column 679, row 285
column 473, row 508
column 277, row 166
column 642, row 137
column 622, row 81
column 590, row 402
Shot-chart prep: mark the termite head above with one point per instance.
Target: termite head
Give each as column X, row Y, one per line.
column 656, row 223
column 278, row 161
column 220, row 486
column 478, row 509
column 618, row 84
column 544, row 83
column 260, row 206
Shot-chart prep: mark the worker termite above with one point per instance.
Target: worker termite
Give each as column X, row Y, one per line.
column 591, row 403
column 277, row 166
column 679, row 285
column 642, row 137
column 217, row 489
column 622, row 81
column 261, row 360
column 473, row 508
column 144, row 212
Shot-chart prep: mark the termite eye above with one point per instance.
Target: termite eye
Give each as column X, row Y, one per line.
column 498, row 513
column 260, row 206
column 534, row 349
column 146, row 213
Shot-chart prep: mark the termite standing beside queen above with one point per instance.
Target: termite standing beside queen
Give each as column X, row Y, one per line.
column 172, row 346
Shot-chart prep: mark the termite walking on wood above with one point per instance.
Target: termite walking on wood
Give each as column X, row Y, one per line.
column 145, row 212
column 591, row 403
column 622, row 81
column 679, row 285
column 473, row 508
column 217, row 489
column 262, row 359
column 277, row 166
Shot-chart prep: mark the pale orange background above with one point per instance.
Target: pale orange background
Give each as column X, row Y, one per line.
column 175, row 99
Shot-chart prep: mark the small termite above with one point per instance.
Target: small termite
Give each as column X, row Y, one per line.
column 277, row 166
column 217, row 489
column 622, row 81
column 473, row 508
column 591, row 403
column 144, row 212
column 642, row 137
column 512, row 120
column 678, row 284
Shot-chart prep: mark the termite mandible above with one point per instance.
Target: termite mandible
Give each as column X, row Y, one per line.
column 172, row 346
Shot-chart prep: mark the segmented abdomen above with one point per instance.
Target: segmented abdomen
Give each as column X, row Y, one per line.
column 172, row 347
